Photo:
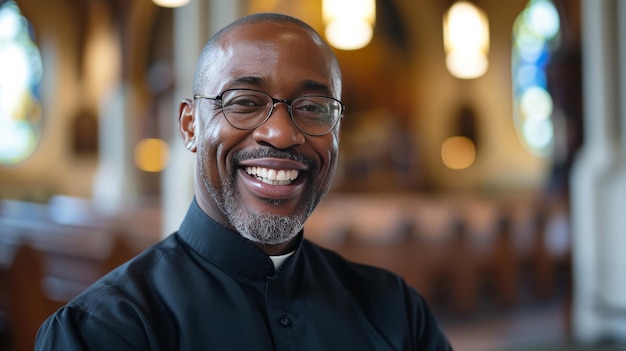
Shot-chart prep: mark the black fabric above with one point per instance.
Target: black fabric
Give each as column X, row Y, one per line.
column 207, row 288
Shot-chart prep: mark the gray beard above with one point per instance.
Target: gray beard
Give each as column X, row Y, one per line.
column 269, row 229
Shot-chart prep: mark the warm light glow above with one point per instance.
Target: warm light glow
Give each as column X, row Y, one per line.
column 349, row 23
column 350, row 34
column 458, row 152
column 467, row 64
column 333, row 10
column 466, row 28
column 152, row 155
column 466, row 40
column 171, row 3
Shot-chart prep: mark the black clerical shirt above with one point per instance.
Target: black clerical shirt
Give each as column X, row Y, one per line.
column 207, row 288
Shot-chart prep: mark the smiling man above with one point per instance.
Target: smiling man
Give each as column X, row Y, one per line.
column 238, row 274
column 264, row 176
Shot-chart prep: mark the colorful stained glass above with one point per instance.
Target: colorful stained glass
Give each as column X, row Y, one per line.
column 535, row 36
column 20, row 77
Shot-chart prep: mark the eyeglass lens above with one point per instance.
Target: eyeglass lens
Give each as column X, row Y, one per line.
column 248, row 109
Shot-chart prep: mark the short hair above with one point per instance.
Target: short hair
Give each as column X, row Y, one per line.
column 205, row 56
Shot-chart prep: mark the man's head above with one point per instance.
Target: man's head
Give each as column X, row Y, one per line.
column 265, row 181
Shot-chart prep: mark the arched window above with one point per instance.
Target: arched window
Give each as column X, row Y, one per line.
column 535, row 37
column 20, row 77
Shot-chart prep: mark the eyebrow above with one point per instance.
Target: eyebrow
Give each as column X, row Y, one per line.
column 316, row 86
column 246, row 80
column 306, row 85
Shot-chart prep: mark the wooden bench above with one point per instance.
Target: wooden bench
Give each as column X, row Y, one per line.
column 44, row 264
column 40, row 282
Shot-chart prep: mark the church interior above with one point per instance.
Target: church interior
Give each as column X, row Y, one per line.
column 494, row 182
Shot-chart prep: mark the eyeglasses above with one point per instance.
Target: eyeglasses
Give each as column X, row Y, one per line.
column 249, row 109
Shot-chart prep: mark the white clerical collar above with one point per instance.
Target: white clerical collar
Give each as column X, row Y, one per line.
column 280, row 259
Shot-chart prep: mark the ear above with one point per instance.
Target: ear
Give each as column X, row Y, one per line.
column 187, row 124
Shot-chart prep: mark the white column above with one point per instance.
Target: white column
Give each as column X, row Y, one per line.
column 193, row 25
column 222, row 13
column 595, row 203
column 612, row 244
column 115, row 183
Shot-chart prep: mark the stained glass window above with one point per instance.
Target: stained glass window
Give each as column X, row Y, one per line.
column 20, row 77
column 535, row 37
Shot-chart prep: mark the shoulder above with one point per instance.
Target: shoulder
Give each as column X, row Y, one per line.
column 114, row 307
column 73, row 329
column 130, row 284
column 340, row 265
column 366, row 282
column 381, row 294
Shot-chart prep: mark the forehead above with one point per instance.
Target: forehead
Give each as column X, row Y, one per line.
column 270, row 52
column 284, row 32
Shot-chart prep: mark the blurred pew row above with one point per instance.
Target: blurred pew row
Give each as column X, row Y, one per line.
column 49, row 253
column 461, row 254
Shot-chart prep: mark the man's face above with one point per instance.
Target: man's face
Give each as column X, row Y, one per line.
column 232, row 184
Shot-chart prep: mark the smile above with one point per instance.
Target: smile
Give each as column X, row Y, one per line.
column 273, row 176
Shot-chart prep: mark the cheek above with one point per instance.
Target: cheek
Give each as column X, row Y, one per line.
column 328, row 148
column 333, row 145
column 218, row 141
column 329, row 165
column 210, row 144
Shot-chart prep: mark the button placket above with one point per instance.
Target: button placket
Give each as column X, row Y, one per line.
column 281, row 314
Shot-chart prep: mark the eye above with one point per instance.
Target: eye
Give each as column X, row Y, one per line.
column 311, row 106
column 244, row 102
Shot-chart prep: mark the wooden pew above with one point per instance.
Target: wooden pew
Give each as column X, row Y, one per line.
column 29, row 305
column 40, row 282
column 44, row 261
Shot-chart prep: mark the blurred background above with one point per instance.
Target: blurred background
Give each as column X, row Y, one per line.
column 482, row 154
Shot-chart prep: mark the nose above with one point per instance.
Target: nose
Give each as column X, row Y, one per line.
column 279, row 131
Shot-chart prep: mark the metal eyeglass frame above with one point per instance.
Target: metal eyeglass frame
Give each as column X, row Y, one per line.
column 274, row 102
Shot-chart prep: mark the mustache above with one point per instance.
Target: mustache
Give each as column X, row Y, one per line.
column 268, row 152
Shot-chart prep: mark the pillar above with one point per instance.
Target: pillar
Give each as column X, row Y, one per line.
column 598, row 186
column 115, row 183
column 612, row 258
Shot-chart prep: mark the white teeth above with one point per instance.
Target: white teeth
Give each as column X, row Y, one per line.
column 273, row 176
column 280, row 176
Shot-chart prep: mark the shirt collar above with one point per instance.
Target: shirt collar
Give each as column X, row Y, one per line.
column 225, row 248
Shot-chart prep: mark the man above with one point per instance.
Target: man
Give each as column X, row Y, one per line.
column 238, row 275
